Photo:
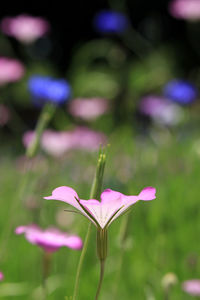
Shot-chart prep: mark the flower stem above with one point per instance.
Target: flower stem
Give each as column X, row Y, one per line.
column 94, row 194
column 46, row 264
column 12, row 211
column 44, row 118
column 122, row 245
column 102, row 264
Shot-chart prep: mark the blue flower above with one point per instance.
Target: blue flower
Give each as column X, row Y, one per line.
column 46, row 89
column 107, row 21
column 180, row 91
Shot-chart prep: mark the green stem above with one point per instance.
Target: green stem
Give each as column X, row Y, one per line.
column 122, row 242
column 13, row 209
column 102, row 264
column 94, row 194
column 44, row 118
column 46, row 264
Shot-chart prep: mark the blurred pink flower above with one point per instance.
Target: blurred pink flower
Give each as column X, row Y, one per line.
column 10, row 70
column 57, row 143
column 1, row 276
column 50, row 239
column 185, row 9
column 4, row 114
column 87, row 139
column 192, row 287
column 101, row 213
column 25, row 28
column 88, row 109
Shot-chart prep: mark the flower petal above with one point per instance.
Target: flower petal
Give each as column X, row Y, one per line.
column 148, row 193
column 74, row 242
column 65, row 194
column 109, row 195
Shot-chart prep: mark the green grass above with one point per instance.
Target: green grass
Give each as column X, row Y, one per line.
column 162, row 235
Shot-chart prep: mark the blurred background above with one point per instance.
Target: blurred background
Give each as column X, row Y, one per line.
column 119, row 72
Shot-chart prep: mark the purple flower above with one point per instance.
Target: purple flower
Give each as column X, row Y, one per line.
column 101, row 213
column 50, row 239
column 108, row 21
column 185, row 9
column 25, row 28
column 161, row 110
column 192, row 287
column 180, row 91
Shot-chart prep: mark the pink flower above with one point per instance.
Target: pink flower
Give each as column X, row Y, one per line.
column 4, row 114
column 1, row 276
column 25, row 28
column 50, row 239
column 57, row 143
column 101, row 213
column 192, row 287
column 10, row 70
column 87, row 139
column 88, row 109
column 185, row 9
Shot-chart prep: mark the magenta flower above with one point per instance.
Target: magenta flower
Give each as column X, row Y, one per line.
column 101, row 213
column 1, row 276
column 88, row 109
column 50, row 239
column 185, row 9
column 57, row 143
column 192, row 287
column 25, row 28
column 11, row 70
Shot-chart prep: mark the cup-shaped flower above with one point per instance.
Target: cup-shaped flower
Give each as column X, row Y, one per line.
column 180, row 91
column 101, row 213
column 50, row 239
column 192, row 287
column 88, row 109
column 185, row 9
column 25, row 28
column 108, row 21
column 45, row 89
column 1, row 276
column 11, row 70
